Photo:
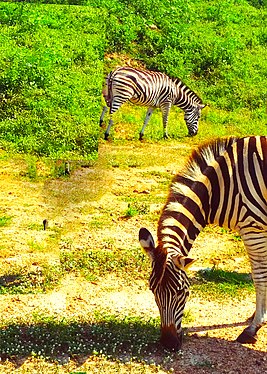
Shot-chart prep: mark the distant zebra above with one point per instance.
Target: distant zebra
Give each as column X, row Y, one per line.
column 224, row 182
column 151, row 89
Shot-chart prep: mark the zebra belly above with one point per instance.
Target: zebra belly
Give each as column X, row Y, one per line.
column 137, row 101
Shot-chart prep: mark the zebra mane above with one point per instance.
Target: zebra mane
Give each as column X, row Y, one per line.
column 178, row 82
column 204, row 156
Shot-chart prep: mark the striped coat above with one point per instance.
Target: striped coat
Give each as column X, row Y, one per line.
column 224, row 182
column 153, row 90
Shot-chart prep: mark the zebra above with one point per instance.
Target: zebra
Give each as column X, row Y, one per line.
column 153, row 90
column 224, row 183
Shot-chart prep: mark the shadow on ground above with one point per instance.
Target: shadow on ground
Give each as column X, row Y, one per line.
column 127, row 340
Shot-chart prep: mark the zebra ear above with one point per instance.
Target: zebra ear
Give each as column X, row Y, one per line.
column 147, row 242
column 183, row 263
column 202, row 106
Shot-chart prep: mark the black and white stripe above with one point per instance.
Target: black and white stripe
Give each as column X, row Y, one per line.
column 224, row 182
column 151, row 89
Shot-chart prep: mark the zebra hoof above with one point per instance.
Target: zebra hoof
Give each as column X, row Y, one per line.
column 141, row 136
column 246, row 338
column 106, row 136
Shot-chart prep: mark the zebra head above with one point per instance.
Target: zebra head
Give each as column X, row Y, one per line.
column 191, row 118
column 170, row 286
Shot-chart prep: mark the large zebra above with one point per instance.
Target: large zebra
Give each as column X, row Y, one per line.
column 224, row 182
column 151, row 89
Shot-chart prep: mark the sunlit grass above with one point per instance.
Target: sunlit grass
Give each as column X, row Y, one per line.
column 221, row 284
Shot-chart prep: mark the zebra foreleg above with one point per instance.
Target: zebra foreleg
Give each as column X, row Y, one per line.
column 147, row 118
column 165, row 109
column 104, row 111
column 249, row 335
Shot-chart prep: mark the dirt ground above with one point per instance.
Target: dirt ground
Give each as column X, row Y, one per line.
column 209, row 343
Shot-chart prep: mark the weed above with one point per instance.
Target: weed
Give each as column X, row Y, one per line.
column 31, row 167
column 22, row 280
column 94, row 264
column 187, row 316
column 105, row 336
column 5, row 221
column 135, row 208
column 35, row 246
column 131, row 211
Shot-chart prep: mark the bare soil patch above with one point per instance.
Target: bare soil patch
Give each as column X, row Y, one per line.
column 75, row 207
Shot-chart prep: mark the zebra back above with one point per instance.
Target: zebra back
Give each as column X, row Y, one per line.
column 224, row 182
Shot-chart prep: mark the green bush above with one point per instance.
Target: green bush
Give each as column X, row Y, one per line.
column 217, row 48
column 51, row 79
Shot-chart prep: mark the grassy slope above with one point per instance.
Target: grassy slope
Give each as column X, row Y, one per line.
column 216, row 48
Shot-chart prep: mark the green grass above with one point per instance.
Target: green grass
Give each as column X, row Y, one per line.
column 96, row 264
column 222, row 284
column 136, row 208
column 5, row 221
column 26, row 280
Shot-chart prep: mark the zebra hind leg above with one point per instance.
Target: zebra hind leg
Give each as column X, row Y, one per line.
column 104, row 111
column 165, row 109
column 108, row 129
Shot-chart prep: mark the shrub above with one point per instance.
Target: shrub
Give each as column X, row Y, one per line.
column 51, row 79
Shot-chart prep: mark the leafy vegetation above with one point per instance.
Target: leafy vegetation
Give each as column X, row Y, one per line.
column 51, row 79
column 217, row 47
column 5, row 220
column 51, row 91
column 102, row 335
column 22, row 280
column 96, row 264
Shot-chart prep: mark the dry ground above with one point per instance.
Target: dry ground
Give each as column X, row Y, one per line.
column 74, row 206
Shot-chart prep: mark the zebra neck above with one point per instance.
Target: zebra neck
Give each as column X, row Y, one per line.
column 178, row 228
column 176, row 238
column 184, row 97
column 184, row 216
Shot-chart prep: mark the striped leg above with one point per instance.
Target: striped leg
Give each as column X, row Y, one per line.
column 258, row 258
column 147, row 118
column 110, row 123
column 165, row 109
column 116, row 103
column 104, row 111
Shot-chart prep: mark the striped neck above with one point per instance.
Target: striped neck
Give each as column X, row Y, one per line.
column 182, row 219
column 184, row 97
column 180, row 223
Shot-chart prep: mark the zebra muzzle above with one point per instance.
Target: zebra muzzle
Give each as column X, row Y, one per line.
column 170, row 339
